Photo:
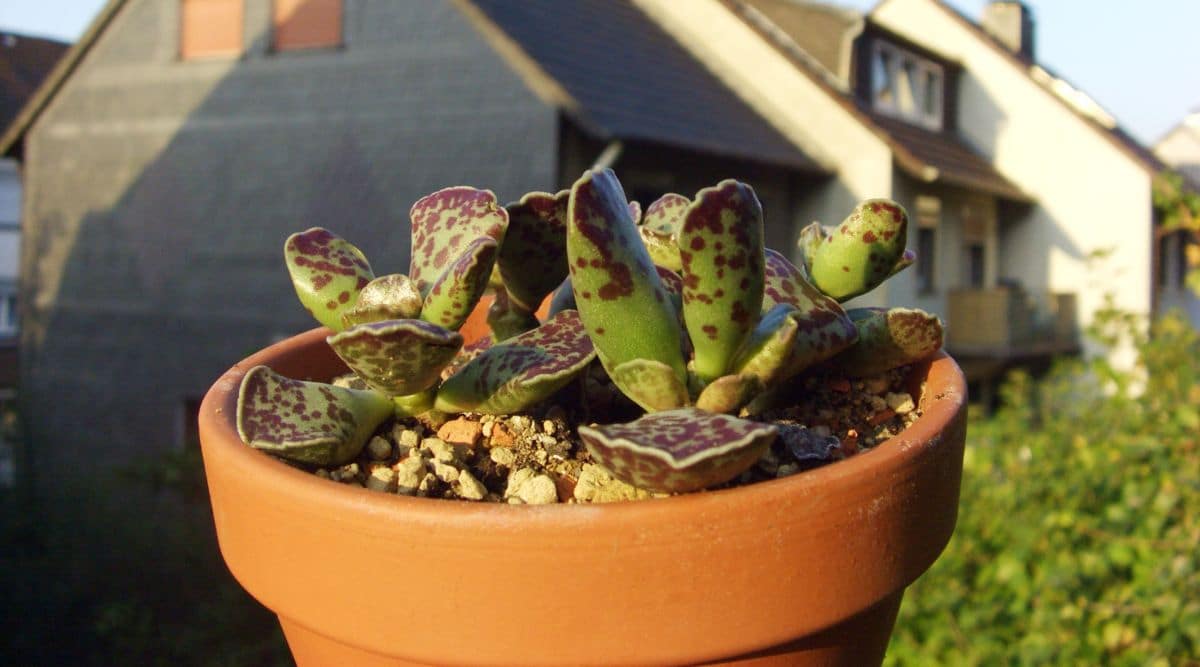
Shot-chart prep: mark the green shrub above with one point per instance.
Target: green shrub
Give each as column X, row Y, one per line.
column 1079, row 522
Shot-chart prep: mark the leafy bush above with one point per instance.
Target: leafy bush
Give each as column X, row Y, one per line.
column 1079, row 522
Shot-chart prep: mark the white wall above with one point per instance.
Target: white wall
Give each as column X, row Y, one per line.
column 1091, row 195
column 791, row 101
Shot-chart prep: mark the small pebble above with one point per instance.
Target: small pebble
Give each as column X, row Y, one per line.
column 901, row 404
column 379, row 449
column 444, row 471
column 502, row 456
column 439, row 449
column 382, row 478
column 548, row 427
column 407, row 438
column 469, row 487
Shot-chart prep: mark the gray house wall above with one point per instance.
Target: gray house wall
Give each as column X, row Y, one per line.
column 160, row 192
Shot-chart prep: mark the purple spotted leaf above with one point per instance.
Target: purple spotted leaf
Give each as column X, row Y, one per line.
column 517, row 373
column 507, row 319
column 615, row 283
column 823, row 327
column 678, row 451
column 635, row 212
column 729, row 393
column 887, row 339
column 660, row 229
column 863, row 251
column 466, row 354
column 397, row 357
column 533, row 257
column 811, row 238
column 768, row 349
column 327, row 272
column 309, row 422
column 721, row 248
column 453, row 295
column 651, row 384
column 445, row 223
column 391, row 297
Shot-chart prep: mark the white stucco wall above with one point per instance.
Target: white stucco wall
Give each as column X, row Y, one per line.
column 790, row 100
column 1091, row 194
column 1180, row 148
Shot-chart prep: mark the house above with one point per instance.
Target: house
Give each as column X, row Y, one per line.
column 1179, row 148
column 953, row 118
column 24, row 63
column 179, row 143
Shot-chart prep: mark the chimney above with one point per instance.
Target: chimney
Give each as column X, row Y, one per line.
column 1010, row 22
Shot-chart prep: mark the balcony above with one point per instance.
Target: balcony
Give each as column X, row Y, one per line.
column 992, row 330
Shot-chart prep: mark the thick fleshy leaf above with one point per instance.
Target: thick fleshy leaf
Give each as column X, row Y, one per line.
column 445, row 223
column 391, row 297
column 307, row 421
column 889, row 339
column 328, row 273
column 811, row 238
column 768, row 349
column 651, row 384
column 660, row 229
column 533, row 258
column 397, row 357
column 728, row 393
column 507, row 319
column 721, row 246
column 454, row 294
column 863, row 251
column 621, row 299
column 823, row 328
column 635, row 212
column 678, row 450
column 515, row 374
column 466, row 354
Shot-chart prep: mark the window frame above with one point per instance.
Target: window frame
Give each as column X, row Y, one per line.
column 910, row 80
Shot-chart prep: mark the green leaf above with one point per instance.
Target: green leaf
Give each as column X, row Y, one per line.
column 445, row 223
column 659, row 229
column 862, row 252
column 621, row 299
column 327, row 272
column 677, row 451
column 768, row 349
column 397, row 357
column 507, row 319
column 533, row 257
column 889, row 339
column 823, row 327
column 309, row 422
column 455, row 293
column 515, row 374
column 651, row 384
column 729, row 393
column 721, row 248
column 391, row 297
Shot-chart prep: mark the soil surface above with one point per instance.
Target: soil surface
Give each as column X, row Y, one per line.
column 537, row 458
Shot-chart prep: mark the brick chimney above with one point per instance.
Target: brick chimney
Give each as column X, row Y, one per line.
column 1011, row 22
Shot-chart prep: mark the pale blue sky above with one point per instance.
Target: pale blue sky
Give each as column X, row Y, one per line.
column 1137, row 58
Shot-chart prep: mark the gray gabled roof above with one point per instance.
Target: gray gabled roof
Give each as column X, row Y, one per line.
column 632, row 81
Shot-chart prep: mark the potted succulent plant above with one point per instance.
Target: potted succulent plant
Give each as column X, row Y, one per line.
column 693, row 323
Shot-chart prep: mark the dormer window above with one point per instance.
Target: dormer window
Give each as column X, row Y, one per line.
column 907, row 86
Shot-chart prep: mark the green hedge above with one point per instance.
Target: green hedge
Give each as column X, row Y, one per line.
column 1079, row 524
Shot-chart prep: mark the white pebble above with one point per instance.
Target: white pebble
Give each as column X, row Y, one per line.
column 382, row 478
column 502, row 456
column 901, row 404
column 469, row 487
column 379, row 449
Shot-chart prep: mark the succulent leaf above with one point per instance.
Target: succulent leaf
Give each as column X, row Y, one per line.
column 678, row 450
column 515, row 374
column 768, row 349
column 823, row 328
column 564, row 298
column 453, row 295
column 721, row 248
column 507, row 319
column 328, row 273
column 614, row 281
column 651, row 384
column 445, row 223
column 397, row 357
column 391, row 297
column 309, row 422
column 889, row 339
column 533, row 257
column 811, row 238
column 635, row 212
column 863, row 251
column 466, row 354
column 659, row 229
column 729, row 393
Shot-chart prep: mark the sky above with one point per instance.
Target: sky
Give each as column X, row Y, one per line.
column 1137, row 59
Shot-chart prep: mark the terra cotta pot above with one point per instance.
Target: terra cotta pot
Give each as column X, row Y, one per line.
column 808, row 569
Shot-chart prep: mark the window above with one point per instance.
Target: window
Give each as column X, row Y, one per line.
column 929, row 211
column 906, row 86
column 306, row 24
column 1172, row 260
column 976, row 265
column 8, row 315
column 210, row 28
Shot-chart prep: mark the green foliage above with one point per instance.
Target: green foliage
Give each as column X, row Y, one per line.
column 1178, row 209
column 1078, row 525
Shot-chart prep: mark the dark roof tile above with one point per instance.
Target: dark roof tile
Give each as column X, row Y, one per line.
column 24, row 62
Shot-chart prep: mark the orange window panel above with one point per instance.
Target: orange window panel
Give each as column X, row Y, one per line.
column 306, row 24
column 210, row 28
